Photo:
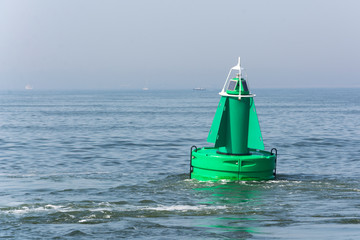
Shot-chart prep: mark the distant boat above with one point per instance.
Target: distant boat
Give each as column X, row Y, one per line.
column 28, row 87
column 199, row 89
column 145, row 88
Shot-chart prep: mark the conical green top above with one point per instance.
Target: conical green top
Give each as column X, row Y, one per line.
column 235, row 127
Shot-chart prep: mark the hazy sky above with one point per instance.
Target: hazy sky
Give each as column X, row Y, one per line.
column 84, row 44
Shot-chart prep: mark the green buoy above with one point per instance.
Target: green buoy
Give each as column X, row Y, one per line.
column 238, row 152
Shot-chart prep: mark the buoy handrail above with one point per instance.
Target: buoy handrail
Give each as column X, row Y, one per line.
column 276, row 154
column 191, row 157
column 239, row 96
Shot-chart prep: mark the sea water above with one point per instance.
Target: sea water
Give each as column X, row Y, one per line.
column 115, row 164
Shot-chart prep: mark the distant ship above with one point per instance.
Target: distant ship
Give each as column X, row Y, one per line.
column 28, row 87
column 199, row 89
column 145, row 88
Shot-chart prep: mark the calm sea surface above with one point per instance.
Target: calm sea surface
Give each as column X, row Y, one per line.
column 115, row 164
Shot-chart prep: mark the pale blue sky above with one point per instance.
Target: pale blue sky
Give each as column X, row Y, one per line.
column 84, row 44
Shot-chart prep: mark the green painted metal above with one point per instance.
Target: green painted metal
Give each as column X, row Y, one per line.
column 208, row 164
column 255, row 139
column 237, row 126
column 230, row 128
column 229, row 131
column 217, row 130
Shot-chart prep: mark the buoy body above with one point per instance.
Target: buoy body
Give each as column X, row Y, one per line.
column 238, row 152
column 208, row 164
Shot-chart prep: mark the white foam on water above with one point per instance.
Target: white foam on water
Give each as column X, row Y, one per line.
column 18, row 175
column 26, row 209
column 184, row 208
column 21, row 210
column 57, row 174
column 50, row 206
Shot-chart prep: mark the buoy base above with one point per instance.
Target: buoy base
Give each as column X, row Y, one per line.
column 208, row 165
